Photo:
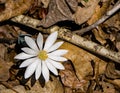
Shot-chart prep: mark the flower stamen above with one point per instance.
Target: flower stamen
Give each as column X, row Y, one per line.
column 43, row 55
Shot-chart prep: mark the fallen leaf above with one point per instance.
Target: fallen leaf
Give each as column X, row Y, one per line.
column 4, row 70
column 81, row 60
column 14, row 8
column 82, row 14
column 100, row 10
column 111, row 72
column 108, row 88
column 69, row 78
column 45, row 3
column 54, row 86
column 58, row 11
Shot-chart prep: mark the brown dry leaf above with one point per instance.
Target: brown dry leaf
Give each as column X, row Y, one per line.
column 7, row 91
column 81, row 60
column 84, row 13
column 3, row 52
column 111, row 71
column 58, row 11
column 69, row 78
column 14, row 8
column 100, row 10
column 45, row 3
column 4, row 64
column 72, row 5
column 4, row 70
column 113, row 21
column 54, row 86
column 7, row 36
column 107, row 87
column 68, row 90
column 118, row 46
column 115, row 82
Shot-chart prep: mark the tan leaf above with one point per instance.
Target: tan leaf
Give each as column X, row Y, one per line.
column 4, row 70
column 14, row 8
column 111, row 71
column 58, row 11
column 84, row 13
column 100, row 10
column 69, row 78
column 45, row 3
column 81, row 60
column 50, row 87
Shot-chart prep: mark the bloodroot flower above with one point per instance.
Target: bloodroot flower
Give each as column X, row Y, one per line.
column 39, row 59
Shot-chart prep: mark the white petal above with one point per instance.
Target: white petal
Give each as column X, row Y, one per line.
column 50, row 40
column 31, row 43
column 51, row 67
column 56, row 64
column 45, row 71
column 40, row 41
column 55, row 46
column 30, row 69
column 57, row 58
column 59, row 52
column 29, row 51
column 23, row 56
column 38, row 70
column 27, row 62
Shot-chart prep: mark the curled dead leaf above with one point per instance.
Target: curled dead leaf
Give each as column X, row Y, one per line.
column 59, row 10
column 69, row 78
column 84, row 13
column 14, row 8
column 111, row 71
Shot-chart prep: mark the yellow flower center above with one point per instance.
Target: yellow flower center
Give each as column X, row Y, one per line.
column 43, row 55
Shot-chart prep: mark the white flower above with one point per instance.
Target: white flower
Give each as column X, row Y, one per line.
column 39, row 59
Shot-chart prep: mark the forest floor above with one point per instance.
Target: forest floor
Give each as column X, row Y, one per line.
column 90, row 30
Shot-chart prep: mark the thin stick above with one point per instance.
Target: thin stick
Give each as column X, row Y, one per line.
column 101, row 20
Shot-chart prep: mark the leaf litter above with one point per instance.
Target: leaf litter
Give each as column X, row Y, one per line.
column 84, row 72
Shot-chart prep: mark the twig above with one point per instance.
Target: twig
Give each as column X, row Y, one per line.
column 67, row 35
column 101, row 20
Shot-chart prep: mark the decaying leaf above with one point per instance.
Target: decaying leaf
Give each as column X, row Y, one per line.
column 72, row 5
column 69, row 78
column 118, row 46
column 59, row 10
column 14, row 8
column 45, row 3
column 108, row 88
column 100, row 10
column 54, row 86
column 81, row 60
column 84, row 13
column 112, row 72
column 4, row 70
